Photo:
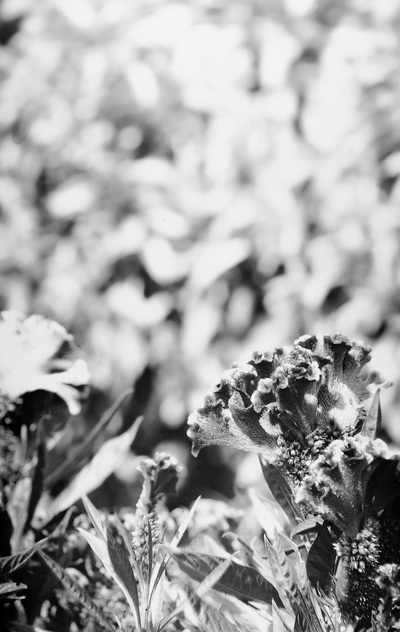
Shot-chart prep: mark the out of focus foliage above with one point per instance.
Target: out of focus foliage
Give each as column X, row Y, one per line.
column 184, row 182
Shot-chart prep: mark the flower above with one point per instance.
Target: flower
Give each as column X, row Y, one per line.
column 160, row 476
column 336, row 483
column 312, row 391
column 36, row 354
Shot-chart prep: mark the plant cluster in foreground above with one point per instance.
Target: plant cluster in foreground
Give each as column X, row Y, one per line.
column 324, row 558
column 302, row 408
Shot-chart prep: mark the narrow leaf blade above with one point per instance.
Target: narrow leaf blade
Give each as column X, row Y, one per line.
column 321, row 560
column 77, row 591
column 237, row 580
column 373, row 420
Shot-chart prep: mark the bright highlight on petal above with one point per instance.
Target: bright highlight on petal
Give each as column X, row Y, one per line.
column 36, row 354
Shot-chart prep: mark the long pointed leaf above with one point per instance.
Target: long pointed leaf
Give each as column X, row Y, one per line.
column 95, row 518
column 119, row 558
column 100, row 547
column 12, row 563
column 214, row 577
column 280, row 582
column 281, row 491
column 373, row 420
column 265, row 511
column 159, row 568
column 237, row 580
column 37, row 478
column 258, row 562
column 95, row 473
column 83, row 448
column 321, row 560
column 77, row 591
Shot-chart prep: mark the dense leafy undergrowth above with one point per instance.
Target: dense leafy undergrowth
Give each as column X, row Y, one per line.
column 320, row 551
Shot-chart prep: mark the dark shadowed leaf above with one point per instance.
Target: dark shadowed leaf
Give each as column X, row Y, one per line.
column 281, row 491
column 120, row 561
column 304, row 527
column 239, row 581
column 90, row 477
column 13, row 563
column 84, row 448
column 78, row 592
column 9, row 590
column 383, row 486
column 37, row 477
column 214, row 577
column 321, row 560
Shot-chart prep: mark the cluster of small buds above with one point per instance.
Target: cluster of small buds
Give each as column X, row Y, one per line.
column 294, row 458
column 363, row 550
column 359, row 559
column 160, row 479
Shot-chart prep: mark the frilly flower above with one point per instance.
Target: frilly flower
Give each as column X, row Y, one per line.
column 308, row 393
column 36, row 355
column 336, row 483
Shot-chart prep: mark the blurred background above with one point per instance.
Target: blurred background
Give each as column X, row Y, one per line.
column 185, row 182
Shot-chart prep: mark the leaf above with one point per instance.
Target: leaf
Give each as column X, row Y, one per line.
column 373, row 421
column 101, row 549
column 212, row 620
column 281, row 490
column 214, row 577
column 95, row 473
column 280, row 581
column 305, row 526
column 37, row 477
column 282, row 620
column 13, row 563
column 383, row 486
column 120, row 561
column 239, row 581
column 280, row 541
column 159, row 568
column 18, row 510
column 321, row 560
column 82, row 449
column 95, row 517
column 36, row 355
column 10, row 588
column 254, row 558
column 264, row 510
column 77, row 591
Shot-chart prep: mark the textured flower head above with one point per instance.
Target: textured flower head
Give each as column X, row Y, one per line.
column 336, row 483
column 312, row 390
column 36, row 354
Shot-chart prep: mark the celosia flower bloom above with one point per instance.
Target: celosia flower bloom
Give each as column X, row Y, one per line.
column 300, row 407
column 35, row 354
column 306, row 394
